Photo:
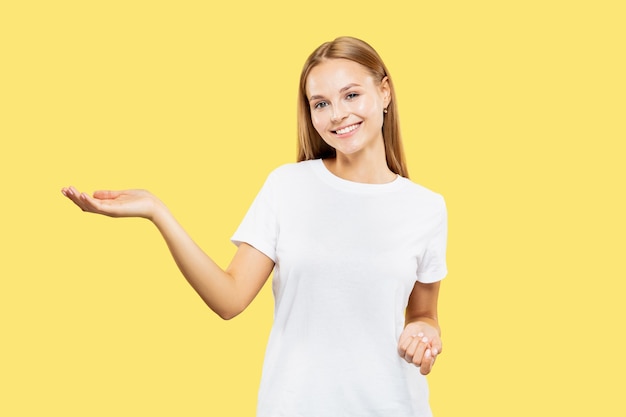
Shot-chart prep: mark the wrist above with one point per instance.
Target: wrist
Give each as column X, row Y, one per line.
column 159, row 212
column 429, row 321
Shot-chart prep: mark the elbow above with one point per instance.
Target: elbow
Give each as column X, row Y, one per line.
column 227, row 315
column 227, row 307
column 228, row 312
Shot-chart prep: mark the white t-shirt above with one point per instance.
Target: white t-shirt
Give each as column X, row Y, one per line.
column 347, row 257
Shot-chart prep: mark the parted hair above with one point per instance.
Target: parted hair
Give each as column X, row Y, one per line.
column 310, row 143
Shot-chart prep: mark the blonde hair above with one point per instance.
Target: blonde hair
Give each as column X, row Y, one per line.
column 310, row 144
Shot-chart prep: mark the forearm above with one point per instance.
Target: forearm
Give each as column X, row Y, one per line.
column 227, row 292
column 214, row 285
column 422, row 305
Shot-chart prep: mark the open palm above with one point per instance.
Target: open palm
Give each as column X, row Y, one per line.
column 124, row 203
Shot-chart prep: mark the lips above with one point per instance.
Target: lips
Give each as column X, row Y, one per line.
column 347, row 129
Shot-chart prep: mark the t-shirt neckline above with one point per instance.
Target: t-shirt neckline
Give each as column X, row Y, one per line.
column 327, row 176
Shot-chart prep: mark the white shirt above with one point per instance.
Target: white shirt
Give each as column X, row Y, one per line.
column 347, row 257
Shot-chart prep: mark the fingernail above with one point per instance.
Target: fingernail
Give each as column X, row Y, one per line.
column 428, row 353
column 420, row 334
column 435, row 352
column 425, row 339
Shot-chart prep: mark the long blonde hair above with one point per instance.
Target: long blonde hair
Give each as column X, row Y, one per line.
column 310, row 144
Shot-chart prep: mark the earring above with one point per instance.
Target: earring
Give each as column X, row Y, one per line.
column 385, row 111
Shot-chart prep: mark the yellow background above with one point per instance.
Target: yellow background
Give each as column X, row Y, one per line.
column 514, row 110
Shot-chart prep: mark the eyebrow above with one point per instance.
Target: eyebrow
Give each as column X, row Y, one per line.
column 347, row 87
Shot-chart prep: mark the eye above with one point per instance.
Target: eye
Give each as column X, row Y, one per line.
column 352, row 96
column 320, row 105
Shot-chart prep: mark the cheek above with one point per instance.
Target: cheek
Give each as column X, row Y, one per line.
column 318, row 122
column 363, row 107
column 372, row 110
column 368, row 108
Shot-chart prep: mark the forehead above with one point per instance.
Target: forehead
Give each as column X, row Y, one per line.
column 334, row 74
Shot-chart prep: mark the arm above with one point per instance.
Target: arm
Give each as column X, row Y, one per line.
column 227, row 292
column 420, row 342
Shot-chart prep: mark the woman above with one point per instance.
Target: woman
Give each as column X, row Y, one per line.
column 357, row 251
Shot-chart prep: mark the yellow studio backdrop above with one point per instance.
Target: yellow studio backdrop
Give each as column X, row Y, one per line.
column 514, row 111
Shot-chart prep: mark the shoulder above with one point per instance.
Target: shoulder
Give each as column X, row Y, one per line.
column 290, row 172
column 420, row 191
column 294, row 167
column 288, row 179
column 422, row 196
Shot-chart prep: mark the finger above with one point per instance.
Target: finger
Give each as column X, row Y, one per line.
column 437, row 347
column 411, row 349
column 404, row 342
column 67, row 191
column 95, row 205
column 416, row 349
column 420, row 349
column 406, row 338
column 427, row 362
column 73, row 194
column 83, row 201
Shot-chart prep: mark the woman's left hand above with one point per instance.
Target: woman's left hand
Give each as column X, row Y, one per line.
column 420, row 344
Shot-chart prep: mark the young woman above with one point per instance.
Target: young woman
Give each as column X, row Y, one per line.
column 357, row 251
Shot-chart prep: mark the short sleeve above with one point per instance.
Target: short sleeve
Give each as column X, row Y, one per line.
column 259, row 227
column 433, row 266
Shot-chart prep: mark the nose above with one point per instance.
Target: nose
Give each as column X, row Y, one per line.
column 339, row 113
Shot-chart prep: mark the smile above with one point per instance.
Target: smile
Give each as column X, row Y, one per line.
column 347, row 129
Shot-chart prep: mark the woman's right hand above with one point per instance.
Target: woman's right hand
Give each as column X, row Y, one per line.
column 228, row 292
column 126, row 203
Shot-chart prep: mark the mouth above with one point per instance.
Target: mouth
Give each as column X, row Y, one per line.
column 347, row 129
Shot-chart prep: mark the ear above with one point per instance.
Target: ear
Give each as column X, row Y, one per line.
column 385, row 90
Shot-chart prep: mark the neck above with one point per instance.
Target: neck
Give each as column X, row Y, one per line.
column 368, row 169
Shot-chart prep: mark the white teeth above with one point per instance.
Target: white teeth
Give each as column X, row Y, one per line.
column 347, row 129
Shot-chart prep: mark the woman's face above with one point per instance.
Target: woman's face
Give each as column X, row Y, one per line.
column 347, row 106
